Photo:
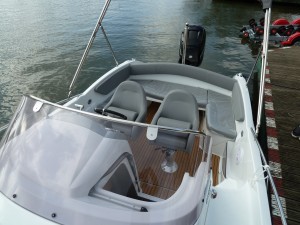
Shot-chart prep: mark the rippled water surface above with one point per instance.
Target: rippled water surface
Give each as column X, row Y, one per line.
column 42, row 41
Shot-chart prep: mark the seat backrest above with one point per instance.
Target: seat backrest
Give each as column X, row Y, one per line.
column 179, row 109
column 179, row 105
column 130, row 95
column 237, row 103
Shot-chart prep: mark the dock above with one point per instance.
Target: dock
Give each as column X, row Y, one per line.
column 282, row 111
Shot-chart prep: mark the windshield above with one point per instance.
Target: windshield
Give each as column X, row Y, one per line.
column 55, row 151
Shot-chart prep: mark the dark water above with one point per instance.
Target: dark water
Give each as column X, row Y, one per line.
column 41, row 41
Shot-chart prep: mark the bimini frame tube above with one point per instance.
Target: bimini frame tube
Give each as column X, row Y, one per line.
column 267, row 8
column 87, row 49
column 252, row 70
column 109, row 45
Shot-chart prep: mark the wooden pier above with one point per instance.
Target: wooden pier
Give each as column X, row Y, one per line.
column 282, row 110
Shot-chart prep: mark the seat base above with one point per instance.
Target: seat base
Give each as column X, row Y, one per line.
column 169, row 165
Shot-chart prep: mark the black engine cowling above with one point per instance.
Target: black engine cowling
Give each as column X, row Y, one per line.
column 196, row 37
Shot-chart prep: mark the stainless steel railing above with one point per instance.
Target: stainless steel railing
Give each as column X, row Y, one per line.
column 263, row 67
column 270, row 179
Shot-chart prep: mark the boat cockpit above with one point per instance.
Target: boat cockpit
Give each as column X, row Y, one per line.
column 139, row 155
column 137, row 139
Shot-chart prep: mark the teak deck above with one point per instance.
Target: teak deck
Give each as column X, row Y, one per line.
column 282, row 118
column 154, row 181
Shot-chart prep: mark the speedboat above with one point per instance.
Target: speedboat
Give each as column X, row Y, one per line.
column 146, row 143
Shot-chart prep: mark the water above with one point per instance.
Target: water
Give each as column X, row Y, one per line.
column 41, row 41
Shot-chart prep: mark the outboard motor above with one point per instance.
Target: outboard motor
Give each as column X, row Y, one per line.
column 192, row 44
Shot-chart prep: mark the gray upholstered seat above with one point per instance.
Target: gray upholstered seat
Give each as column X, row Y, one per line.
column 178, row 110
column 220, row 119
column 129, row 99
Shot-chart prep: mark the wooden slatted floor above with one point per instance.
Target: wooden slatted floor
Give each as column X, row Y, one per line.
column 154, row 181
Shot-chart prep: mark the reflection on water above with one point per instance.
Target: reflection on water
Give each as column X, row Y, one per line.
column 42, row 41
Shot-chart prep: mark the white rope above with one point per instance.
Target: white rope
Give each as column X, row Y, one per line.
column 260, row 176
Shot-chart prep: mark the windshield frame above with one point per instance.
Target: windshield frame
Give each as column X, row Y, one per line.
column 113, row 119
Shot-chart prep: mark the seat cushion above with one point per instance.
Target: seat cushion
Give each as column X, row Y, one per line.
column 177, row 124
column 219, row 118
column 166, row 139
column 131, row 115
column 167, row 122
